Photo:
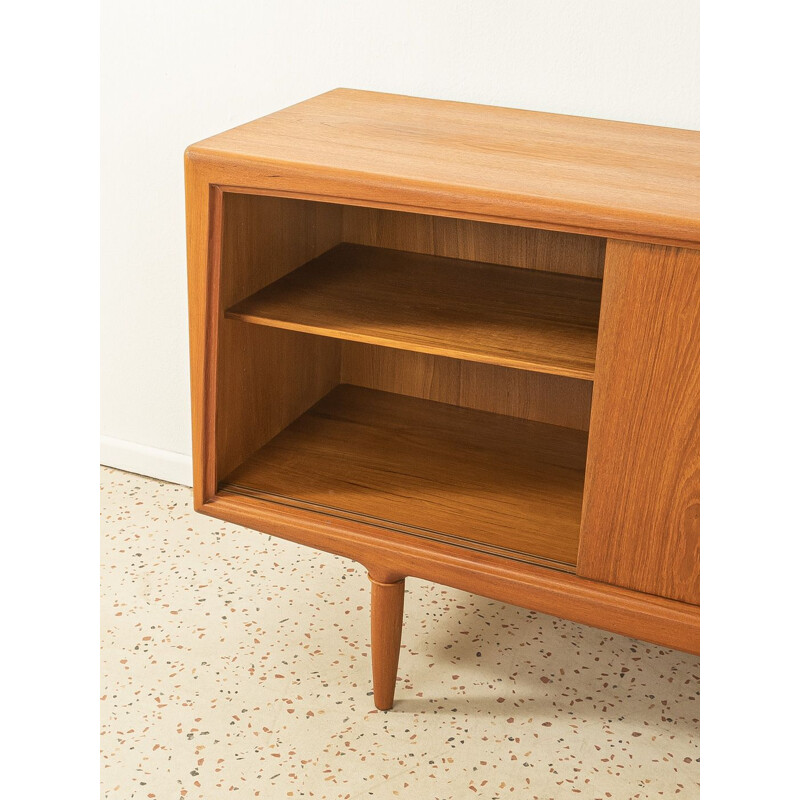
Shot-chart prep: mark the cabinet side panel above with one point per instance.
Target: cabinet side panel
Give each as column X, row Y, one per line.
column 640, row 527
column 203, row 210
column 266, row 378
column 512, row 246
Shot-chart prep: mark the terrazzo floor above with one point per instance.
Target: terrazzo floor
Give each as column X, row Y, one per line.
column 237, row 662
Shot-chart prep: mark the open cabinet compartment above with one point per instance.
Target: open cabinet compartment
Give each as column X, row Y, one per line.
column 424, row 374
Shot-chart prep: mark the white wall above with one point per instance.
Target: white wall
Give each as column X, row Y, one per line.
column 175, row 71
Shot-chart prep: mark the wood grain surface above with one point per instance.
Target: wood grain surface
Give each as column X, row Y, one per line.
column 547, row 170
column 266, row 377
column 526, row 319
column 386, row 623
column 517, row 393
column 478, row 480
column 642, row 500
column 507, row 245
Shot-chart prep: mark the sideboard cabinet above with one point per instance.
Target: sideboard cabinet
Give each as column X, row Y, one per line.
column 457, row 343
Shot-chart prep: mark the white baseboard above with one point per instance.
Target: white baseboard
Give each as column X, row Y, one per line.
column 150, row 461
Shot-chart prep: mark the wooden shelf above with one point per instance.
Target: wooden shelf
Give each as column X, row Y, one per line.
column 528, row 319
column 483, row 481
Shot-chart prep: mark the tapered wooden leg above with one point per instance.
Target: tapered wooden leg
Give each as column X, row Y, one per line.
column 387, row 628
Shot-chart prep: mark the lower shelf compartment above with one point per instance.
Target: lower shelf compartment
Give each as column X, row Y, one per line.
column 480, row 481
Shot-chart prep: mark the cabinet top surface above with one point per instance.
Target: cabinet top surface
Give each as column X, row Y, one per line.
column 571, row 173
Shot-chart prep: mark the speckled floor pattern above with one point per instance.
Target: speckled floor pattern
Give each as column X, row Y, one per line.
column 237, row 662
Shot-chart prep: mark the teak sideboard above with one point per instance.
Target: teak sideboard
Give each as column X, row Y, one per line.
column 458, row 343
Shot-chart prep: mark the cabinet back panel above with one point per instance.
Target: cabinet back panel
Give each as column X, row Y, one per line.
column 483, row 387
column 526, row 248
